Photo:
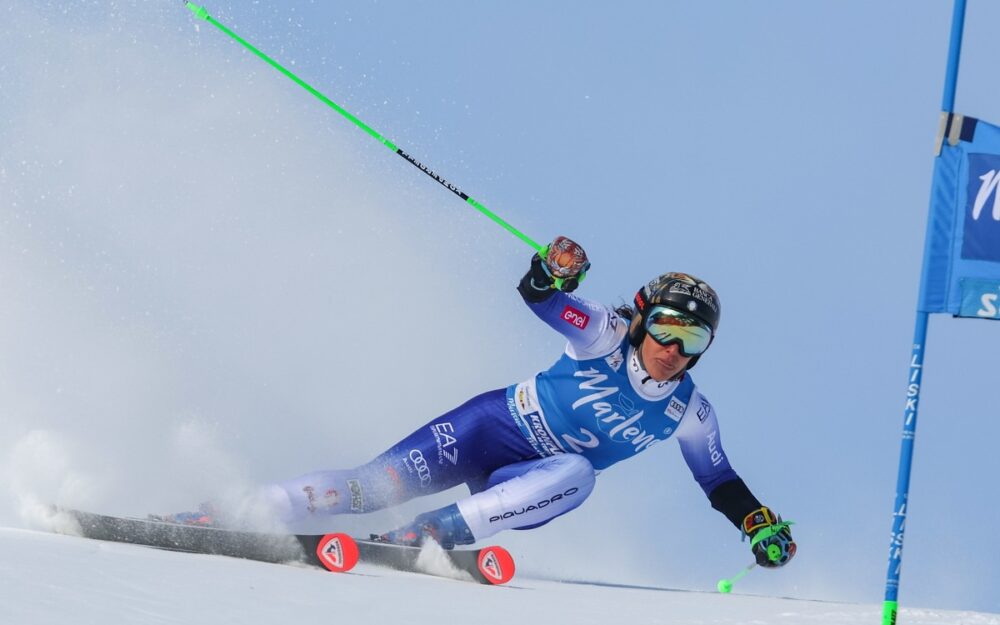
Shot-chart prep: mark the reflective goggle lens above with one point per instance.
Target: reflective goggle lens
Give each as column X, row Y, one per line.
column 667, row 326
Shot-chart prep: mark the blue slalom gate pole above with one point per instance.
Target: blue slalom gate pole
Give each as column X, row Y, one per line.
column 891, row 605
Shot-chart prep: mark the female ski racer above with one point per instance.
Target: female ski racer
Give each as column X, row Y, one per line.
column 530, row 452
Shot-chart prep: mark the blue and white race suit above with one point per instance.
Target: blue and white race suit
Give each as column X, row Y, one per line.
column 530, row 452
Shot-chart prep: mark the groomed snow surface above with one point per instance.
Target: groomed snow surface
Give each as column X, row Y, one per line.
column 51, row 578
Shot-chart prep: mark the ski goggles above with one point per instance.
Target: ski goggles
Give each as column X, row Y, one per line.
column 668, row 327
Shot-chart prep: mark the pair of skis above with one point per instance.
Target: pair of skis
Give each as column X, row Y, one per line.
column 333, row 552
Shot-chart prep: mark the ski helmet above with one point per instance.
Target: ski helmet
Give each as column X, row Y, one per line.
column 679, row 291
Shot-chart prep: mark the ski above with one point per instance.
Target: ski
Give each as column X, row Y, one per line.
column 487, row 565
column 333, row 552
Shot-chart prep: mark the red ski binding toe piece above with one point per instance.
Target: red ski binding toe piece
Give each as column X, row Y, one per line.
column 337, row 552
column 496, row 565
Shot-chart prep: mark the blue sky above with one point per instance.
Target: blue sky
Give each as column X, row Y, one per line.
column 204, row 270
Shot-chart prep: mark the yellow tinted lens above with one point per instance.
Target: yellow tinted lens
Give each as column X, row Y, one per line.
column 667, row 326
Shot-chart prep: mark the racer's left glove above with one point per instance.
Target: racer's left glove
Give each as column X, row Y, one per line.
column 770, row 538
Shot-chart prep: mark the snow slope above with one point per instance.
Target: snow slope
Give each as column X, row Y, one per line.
column 49, row 578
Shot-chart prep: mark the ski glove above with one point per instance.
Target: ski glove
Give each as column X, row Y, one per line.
column 560, row 265
column 566, row 261
column 770, row 539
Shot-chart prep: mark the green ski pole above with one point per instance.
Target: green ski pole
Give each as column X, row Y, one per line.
column 726, row 585
column 773, row 553
column 202, row 14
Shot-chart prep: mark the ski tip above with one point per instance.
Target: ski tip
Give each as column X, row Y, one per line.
column 337, row 552
column 496, row 565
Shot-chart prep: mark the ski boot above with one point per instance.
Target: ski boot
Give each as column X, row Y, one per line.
column 446, row 527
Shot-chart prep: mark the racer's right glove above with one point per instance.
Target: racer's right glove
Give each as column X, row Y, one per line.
column 560, row 265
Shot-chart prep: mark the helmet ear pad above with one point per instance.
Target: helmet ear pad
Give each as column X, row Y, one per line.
column 636, row 330
column 637, row 325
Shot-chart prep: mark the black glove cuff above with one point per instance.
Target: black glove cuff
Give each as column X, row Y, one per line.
column 734, row 500
column 536, row 285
